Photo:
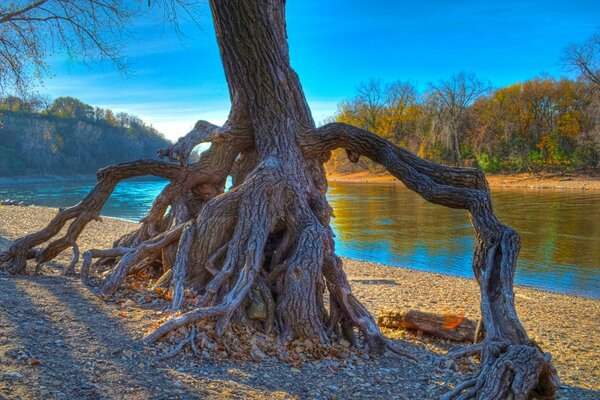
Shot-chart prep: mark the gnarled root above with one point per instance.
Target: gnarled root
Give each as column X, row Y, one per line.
column 267, row 246
column 518, row 368
column 262, row 254
column 517, row 371
column 15, row 258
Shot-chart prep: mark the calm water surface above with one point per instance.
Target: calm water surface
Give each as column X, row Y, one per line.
column 389, row 224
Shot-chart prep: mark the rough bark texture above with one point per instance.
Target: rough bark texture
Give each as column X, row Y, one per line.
column 266, row 244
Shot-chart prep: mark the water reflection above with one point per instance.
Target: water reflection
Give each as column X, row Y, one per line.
column 389, row 224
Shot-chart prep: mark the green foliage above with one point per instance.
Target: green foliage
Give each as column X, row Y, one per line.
column 489, row 163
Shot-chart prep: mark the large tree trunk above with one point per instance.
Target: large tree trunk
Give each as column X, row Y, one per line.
column 267, row 240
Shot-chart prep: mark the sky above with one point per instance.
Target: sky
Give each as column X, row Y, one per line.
column 334, row 46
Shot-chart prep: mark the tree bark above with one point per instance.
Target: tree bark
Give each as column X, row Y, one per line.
column 268, row 239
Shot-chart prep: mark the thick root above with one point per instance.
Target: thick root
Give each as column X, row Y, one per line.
column 494, row 261
column 262, row 254
column 15, row 258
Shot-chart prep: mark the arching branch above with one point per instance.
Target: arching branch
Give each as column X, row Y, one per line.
column 494, row 261
column 88, row 209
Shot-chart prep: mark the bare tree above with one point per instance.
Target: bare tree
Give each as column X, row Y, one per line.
column 268, row 239
column 88, row 31
column 451, row 100
column 400, row 97
column 585, row 59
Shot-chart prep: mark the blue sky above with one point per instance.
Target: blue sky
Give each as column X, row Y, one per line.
column 334, row 46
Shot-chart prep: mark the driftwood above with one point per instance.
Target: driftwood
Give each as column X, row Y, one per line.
column 444, row 326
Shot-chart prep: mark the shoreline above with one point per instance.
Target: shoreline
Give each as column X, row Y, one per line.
column 496, row 181
column 121, row 222
column 569, row 331
column 544, row 181
column 20, row 180
column 128, row 222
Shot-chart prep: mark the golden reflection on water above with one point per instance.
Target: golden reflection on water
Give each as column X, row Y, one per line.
column 386, row 223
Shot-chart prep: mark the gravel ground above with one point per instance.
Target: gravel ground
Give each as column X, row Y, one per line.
column 59, row 340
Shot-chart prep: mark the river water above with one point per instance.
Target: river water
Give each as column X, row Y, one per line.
column 386, row 223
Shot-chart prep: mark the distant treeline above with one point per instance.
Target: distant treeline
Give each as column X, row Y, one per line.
column 69, row 137
column 543, row 124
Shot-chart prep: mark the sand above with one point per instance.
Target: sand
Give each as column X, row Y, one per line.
column 87, row 350
column 496, row 181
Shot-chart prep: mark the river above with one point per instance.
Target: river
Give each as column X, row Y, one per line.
column 386, row 223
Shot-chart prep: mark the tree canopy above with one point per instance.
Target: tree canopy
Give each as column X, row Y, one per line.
column 543, row 124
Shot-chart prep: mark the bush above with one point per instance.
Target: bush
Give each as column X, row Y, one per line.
column 488, row 163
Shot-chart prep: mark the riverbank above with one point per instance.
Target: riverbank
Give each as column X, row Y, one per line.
column 521, row 180
column 90, row 348
column 516, row 181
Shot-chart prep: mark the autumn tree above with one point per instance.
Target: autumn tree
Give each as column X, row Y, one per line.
column 450, row 100
column 268, row 238
column 403, row 112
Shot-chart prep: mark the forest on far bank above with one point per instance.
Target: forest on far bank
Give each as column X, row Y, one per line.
column 68, row 137
column 543, row 124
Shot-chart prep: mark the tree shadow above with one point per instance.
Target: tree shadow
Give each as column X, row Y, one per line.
column 4, row 242
column 576, row 392
column 56, row 335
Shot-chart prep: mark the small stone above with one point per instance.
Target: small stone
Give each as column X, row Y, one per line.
column 129, row 303
column 256, row 309
column 14, row 375
column 128, row 353
column 345, row 343
column 295, row 370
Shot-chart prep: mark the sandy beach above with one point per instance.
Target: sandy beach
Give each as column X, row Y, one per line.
column 100, row 354
column 497, row 181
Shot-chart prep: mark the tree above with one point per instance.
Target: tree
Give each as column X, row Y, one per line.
column 403, row 112
column 450, row 100
column 268, row 239
column 31, row 31
column 69, row 107
column 585, row 59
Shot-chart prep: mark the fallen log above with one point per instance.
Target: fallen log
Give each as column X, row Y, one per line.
column 445, row 326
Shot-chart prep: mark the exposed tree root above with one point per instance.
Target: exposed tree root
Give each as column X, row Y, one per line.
column 191, row 340
column 511, row 363
column 262, row 254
